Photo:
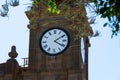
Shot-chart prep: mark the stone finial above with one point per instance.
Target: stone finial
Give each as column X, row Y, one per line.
column 13, row 54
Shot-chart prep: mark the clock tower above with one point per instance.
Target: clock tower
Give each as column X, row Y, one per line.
column 54, row 47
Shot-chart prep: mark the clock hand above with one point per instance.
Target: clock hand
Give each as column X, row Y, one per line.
column 59, row 38
column 60, row 44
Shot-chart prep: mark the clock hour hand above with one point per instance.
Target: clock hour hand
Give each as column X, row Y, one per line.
column 59, row 38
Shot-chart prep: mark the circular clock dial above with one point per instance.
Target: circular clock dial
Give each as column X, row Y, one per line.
column 54, row 41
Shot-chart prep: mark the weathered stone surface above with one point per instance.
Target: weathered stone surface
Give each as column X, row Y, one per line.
column 66, row 66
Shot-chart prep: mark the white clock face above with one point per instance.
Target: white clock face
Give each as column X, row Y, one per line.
column 54, row 41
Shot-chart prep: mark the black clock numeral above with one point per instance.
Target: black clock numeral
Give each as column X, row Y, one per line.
column 49, row 33
column 59, row 49
column 63, row 45
column 54, row 50
column 64, row 40
column 49, row 49
column 55, row 31
column 44, row 42
column 45, row 46
column 59, row 33
column 45, row 37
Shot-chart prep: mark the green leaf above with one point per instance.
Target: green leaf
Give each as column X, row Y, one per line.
column 36, row 1
column 57, row 11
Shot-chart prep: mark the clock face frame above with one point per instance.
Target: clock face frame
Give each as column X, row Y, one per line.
column 54, row 41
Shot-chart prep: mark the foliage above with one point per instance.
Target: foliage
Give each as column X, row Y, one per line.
column 36, row 1
column 110, row 9
column 72, row 13
column 13, row 3
column 4, row 10
column 5, row 7
column 52, row 5
column 106, row 8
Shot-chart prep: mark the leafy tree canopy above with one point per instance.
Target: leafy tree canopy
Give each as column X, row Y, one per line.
column 106, row 8
column 5, row 7
column 110, row 9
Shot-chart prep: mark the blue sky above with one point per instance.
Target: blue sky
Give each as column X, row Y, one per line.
column 104, row 53
column 14, row 31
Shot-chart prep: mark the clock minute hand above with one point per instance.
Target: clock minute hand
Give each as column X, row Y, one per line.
column 59, row 38
column 60, row 44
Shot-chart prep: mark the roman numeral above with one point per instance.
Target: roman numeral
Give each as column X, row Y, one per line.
column 59, row 33
column 44, row 42
column 54, row 50
column 64, row 40
column 49, row 33
column 45, row 37
column 59, row 49
column 45, row 46
column 55, row 31
column 49, row 49
column 63, row 45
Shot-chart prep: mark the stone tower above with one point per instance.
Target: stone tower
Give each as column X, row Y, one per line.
column 69, row 64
